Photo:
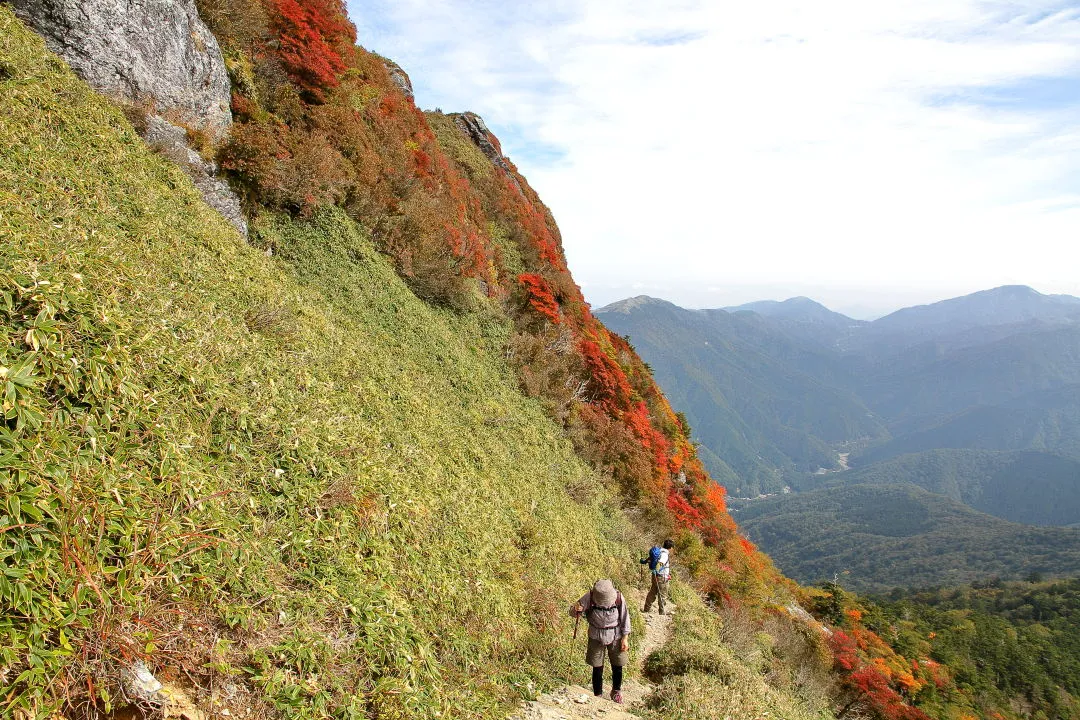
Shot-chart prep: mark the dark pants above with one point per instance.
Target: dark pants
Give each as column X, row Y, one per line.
column 658, row 591
column 595, row 657
column 598, row 679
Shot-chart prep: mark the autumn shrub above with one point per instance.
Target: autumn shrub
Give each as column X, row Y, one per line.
column 313, row 38
column 539, row 296
column 280, row 167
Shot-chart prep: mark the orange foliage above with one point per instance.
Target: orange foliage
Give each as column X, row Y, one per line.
column 872, row 682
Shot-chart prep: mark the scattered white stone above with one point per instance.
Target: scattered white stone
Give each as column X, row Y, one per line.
column 140, row 683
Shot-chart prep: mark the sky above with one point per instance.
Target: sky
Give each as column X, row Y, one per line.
column 870, row 154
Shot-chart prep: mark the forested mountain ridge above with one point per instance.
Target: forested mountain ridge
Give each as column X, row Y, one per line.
column 1023, row 486
column 1005, row 305
column 983, row 380
column 760, row 402
column 882, row 536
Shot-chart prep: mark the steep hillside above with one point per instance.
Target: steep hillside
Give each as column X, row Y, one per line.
column 294, row 454
column 273, row 474
column 1025, row 487
column 880, row 537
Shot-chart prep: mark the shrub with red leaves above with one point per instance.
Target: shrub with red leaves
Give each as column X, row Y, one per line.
column 867, row 684
column 608, row 386
column 541, row 298
column 311, row 35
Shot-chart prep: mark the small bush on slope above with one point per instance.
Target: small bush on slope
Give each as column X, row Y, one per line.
column 296, row 482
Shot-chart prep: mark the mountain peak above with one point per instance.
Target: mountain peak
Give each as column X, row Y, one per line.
column 799, row 308
column 1004, row 305
column 630, row 304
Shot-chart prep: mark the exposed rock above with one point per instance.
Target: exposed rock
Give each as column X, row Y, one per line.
column 171, row 141
column 473, row 126
column 399, row 77
column 156, row 52
column 140, row 683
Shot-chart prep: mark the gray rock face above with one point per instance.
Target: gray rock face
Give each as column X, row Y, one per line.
column 153, row 51
column 171, row 141
column 473, row 126
column 399, row 77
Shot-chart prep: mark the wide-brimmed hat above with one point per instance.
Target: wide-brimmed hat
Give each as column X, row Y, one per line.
column 603, row 593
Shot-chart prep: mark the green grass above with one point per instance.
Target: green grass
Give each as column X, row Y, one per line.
column 280, row 475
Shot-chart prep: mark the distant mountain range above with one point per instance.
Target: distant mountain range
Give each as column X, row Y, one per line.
column 973, row 401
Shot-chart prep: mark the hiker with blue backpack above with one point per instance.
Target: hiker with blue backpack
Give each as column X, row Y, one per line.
column 609, row 630
column 659, row 561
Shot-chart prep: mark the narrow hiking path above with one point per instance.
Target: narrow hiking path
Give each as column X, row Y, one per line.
column 576, row 702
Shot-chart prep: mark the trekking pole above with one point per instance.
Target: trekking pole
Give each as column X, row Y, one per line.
column 641, row 571
column 570, row 662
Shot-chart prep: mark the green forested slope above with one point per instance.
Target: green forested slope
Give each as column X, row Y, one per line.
column 880, row 537
column 1026, row 487
column 288, row 470
column 757, row 400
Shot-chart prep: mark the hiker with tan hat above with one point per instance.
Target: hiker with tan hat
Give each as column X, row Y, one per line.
column 609, row 630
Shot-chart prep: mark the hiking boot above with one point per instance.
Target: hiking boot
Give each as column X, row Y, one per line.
column 616, row 696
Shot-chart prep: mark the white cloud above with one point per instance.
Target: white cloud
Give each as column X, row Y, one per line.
column 781, row 144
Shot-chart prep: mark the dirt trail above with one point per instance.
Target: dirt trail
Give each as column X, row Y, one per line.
column 576, row 702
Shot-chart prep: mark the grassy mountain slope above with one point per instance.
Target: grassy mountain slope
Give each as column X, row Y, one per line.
column 1026, row 487
column 271, row 471
column 900, row 536
column 340, row 485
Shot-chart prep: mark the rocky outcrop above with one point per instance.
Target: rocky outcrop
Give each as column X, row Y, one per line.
column 399, row 77
column 171, row 141
column 153, row 52
column 156, row 55
column 474, row 128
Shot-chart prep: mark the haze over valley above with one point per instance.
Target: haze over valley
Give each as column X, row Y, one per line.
column 972, row 404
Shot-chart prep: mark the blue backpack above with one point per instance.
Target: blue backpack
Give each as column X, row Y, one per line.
column 654, row 557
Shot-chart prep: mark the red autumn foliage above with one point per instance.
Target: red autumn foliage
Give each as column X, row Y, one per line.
column 608, row 386
column 869, row 683
column 311, row 35
column 540, row 296
column 685, row 515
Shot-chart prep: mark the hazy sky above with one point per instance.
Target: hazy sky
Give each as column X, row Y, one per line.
column 870, row 154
